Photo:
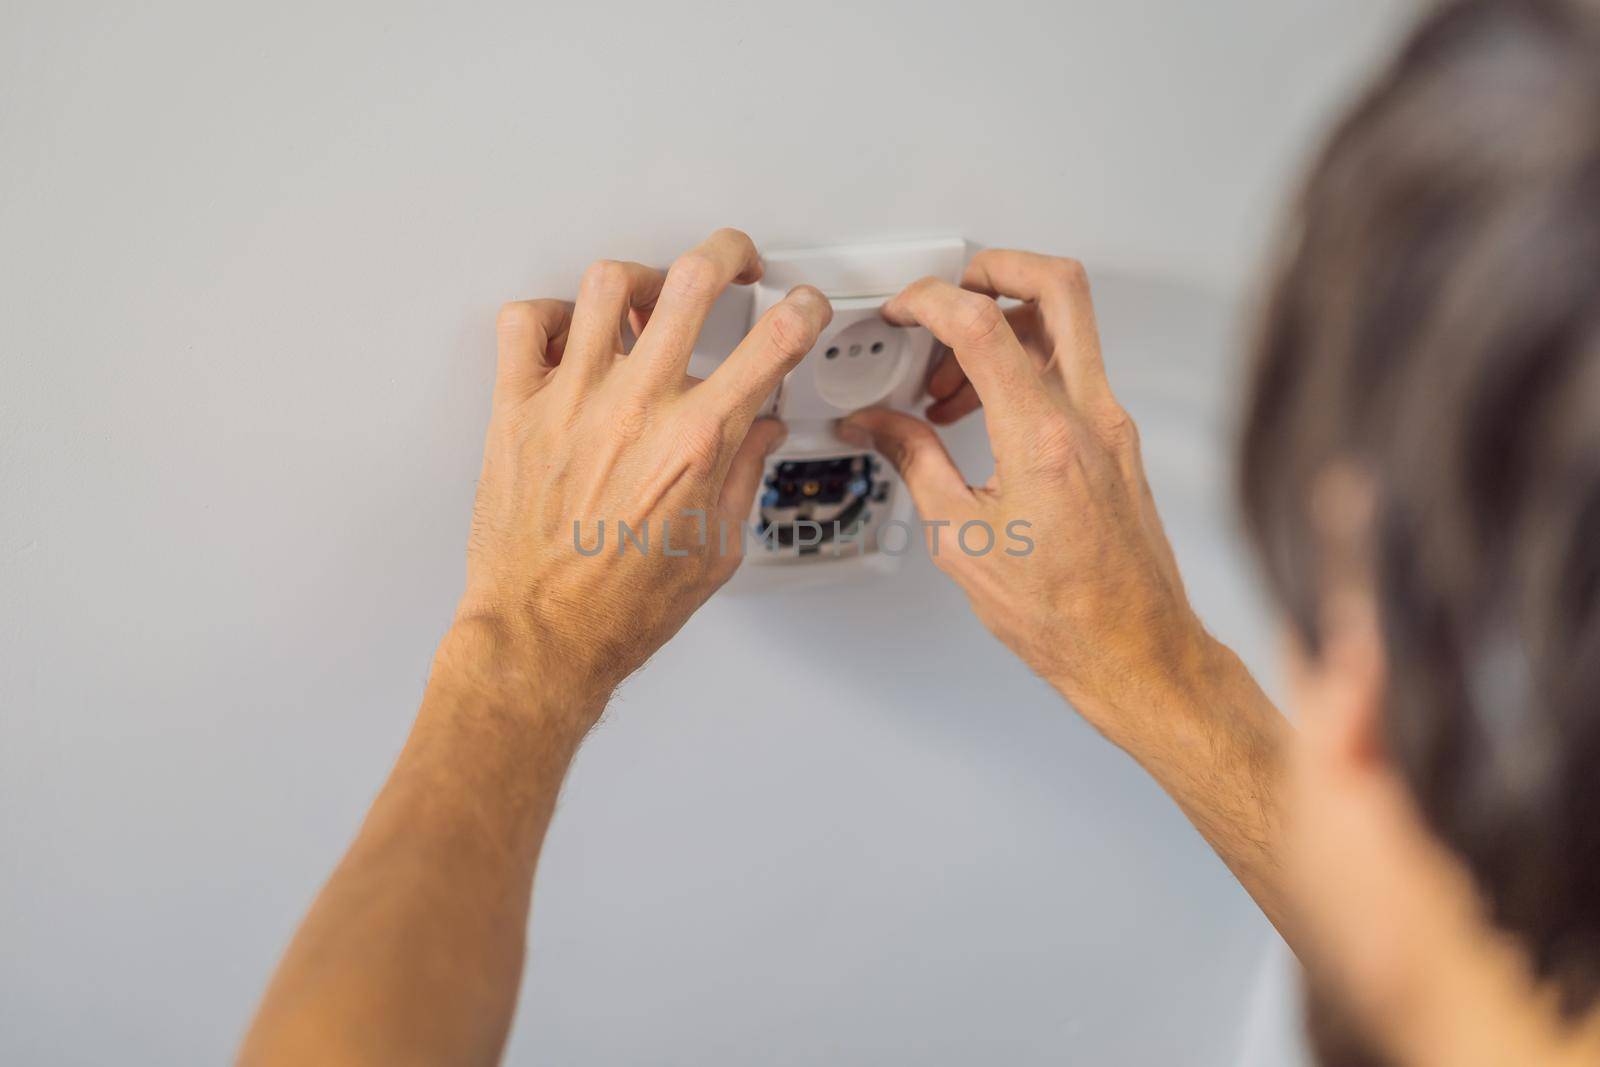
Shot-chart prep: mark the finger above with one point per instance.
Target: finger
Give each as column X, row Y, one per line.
column 916, row 452
column 778, row 341
column 1060, row 289
column 529, row 336
column 976, row 330
column 1033, row 334
column 953, row 396
column 610, row 291
column 957, row 406
column 947, row 376
column 692, row 286
column 749, row 463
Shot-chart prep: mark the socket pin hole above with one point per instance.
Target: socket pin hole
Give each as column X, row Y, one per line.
column 832, row 353
column 877, row 346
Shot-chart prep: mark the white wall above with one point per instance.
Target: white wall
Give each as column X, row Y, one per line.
column 249, row 258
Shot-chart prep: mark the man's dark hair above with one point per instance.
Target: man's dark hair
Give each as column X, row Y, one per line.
column 1435, row 328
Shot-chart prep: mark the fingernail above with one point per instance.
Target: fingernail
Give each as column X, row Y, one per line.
column 809, row 293
column 850, row 433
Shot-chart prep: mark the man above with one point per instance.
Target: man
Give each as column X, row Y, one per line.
column 1421, row 476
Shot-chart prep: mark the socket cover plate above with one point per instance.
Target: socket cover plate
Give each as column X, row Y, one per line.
column 857, row 279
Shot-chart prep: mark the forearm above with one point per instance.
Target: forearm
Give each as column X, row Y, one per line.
column 413, row 950
column 1209, row 736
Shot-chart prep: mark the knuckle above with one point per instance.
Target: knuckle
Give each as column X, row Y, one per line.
column 629, row 422
column 981, row 320
column 1055, row 439
column 695, row 275
column 791, row 332
column 1116, row 426
column 996, row 259
column 516, row 319
column 1070, row 274
column 605, row 276
column 700, row 441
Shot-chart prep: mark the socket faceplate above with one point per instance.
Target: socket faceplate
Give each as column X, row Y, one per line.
column 858, row 361
column 857, row 279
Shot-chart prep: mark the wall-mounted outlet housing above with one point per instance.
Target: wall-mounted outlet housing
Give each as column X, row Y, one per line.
column 823, row 499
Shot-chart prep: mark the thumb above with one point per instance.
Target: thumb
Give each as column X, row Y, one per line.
column 915, row 451
column 744, row 473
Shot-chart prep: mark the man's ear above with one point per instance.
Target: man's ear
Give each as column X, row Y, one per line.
column 1354, row 678
column 1349, row 673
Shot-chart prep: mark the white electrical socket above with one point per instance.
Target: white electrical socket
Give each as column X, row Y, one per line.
column 824, row 500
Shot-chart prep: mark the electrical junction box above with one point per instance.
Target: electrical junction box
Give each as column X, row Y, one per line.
column 826, row 507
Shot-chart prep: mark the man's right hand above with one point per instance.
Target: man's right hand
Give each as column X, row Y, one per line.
column 1097, row 606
